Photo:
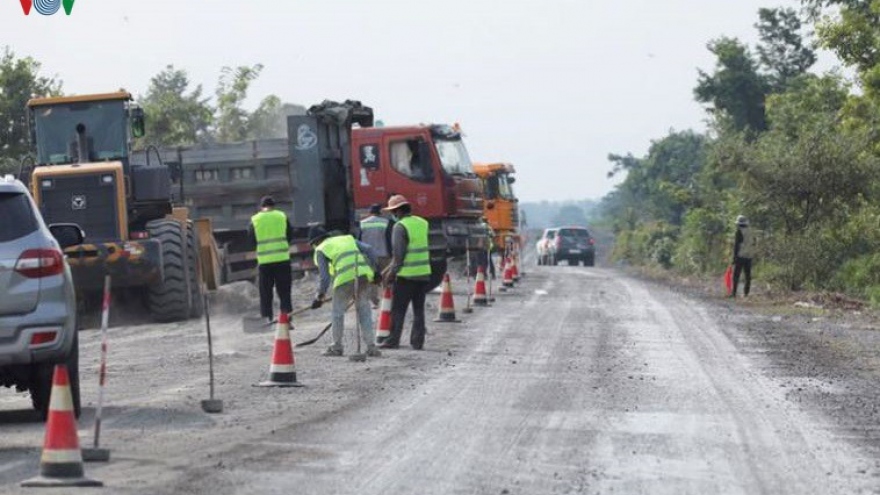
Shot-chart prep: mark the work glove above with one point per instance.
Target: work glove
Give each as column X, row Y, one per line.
column 318, row 302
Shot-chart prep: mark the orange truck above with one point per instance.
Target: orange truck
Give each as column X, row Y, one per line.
column 500, row 206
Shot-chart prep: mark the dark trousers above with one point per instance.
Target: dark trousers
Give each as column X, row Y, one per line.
column 742, row 265
column 405, row 292
column 482, row 258
column 275, row 275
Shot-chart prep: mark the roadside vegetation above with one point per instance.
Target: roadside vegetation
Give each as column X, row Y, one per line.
column 795, row 151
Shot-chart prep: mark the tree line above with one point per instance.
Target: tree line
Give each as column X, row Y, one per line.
column 795, row 151
column 179, row 112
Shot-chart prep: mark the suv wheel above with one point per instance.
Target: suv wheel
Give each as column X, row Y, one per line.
column 41, row 383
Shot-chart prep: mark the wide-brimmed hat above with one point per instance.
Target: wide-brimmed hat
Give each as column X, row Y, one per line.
column 742, row 220
column 317, row 234
column 395, row 202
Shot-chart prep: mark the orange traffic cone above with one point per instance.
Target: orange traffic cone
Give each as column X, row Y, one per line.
column 61, row 463
column 508, row 274
column 282, row 370
column 383, row 325
column 480, row 296
column 447, row 303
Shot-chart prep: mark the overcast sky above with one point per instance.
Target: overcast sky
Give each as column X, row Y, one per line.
column 551, row 86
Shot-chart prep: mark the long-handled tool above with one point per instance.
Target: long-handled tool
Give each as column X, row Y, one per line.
column 251, row 324
column 210, row 405
column 320, row 334
column 96, row 453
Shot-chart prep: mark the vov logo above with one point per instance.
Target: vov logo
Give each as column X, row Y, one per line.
column 46, row 7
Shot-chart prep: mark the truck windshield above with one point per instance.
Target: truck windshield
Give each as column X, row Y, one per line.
column 505, row 190
column 102, row 123
column 454, row 157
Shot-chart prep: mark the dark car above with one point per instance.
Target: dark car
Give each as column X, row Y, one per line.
column 38, row 303
column 572, row 244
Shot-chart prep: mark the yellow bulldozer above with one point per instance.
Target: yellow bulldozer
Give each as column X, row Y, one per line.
column 81, row 174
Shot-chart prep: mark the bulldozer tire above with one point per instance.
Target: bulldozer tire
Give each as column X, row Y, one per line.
column 167, row 299
column 197, row 309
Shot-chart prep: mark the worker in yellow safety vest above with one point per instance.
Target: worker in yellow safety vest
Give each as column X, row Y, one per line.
column 409, row 272
column 270, row 231
column 351, row 266
column 376, row 231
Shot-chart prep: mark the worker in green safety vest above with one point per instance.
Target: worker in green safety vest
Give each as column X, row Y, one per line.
column 351, row 265
column 270, row 231
column 409, row 272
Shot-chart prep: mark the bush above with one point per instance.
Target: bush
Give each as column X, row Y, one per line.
column 650, row 244
column 705, row 244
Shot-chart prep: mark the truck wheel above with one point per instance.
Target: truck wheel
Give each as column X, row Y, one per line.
column 198, row 304
column 167, row 299
column 591, row 261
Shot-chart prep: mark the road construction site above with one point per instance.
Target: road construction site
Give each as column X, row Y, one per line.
column 578, row 380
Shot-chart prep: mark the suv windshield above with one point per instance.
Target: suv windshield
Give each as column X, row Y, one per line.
column 103, row 122
column 576, row 233
column 454, row 156
column 18, row 216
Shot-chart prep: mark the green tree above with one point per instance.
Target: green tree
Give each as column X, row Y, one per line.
column 232, row 122
column 849, row 28
column 782, row 52
column 175, row 114
column 269, row 120
column 19, row 81
column 735, row 91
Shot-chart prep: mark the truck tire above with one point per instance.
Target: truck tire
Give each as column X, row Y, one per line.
column 197, row 309
column 167, row 300
column 41, row 383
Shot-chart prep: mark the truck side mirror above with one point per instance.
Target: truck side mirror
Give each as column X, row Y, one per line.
column 67, row 234
column 138, row 126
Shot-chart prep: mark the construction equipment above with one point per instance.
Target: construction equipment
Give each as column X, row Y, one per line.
column 332, row 167
column 82, row 174
column 501, row 208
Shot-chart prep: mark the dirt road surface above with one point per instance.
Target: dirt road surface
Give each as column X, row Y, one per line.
column 580, row 380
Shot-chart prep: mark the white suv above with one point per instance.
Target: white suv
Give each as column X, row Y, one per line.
column 37, row 298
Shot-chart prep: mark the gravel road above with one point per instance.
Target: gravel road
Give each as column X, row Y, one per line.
column 580, row 380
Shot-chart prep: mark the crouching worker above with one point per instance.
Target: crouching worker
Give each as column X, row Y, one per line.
column 351, row 266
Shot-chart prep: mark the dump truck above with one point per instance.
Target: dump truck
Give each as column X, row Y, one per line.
column 501, row 208
column 81, row 174
column 330, row 169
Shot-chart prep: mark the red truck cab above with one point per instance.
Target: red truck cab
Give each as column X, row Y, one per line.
column 430, row 165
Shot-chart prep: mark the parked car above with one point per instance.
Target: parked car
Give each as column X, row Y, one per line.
column 542, row 247
column 572, row 244
column 38, row 326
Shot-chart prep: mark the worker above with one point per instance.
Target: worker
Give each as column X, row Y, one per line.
column 743, row 247
column 408, row 273
column 270, row 231
column 351, row 266
column 376, row 231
